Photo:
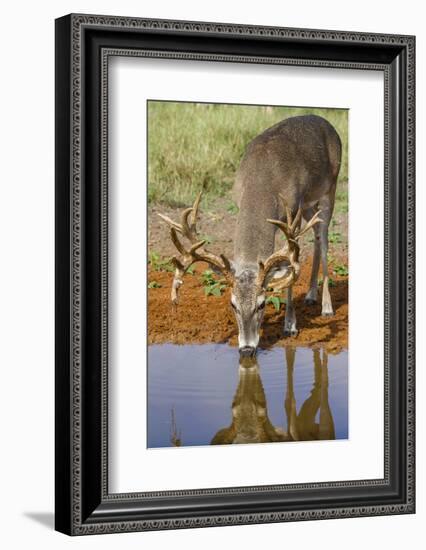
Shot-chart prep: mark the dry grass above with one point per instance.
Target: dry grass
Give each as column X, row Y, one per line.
column 194, row 146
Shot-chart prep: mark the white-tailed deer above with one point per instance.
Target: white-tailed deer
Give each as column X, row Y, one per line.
column 288, row 172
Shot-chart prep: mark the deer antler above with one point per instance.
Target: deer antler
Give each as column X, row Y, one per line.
column 196, row 253
column 290, row 250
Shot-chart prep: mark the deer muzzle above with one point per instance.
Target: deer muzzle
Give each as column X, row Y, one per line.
column 247, row 351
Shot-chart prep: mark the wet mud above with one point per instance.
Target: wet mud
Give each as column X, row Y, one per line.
column 200, row 319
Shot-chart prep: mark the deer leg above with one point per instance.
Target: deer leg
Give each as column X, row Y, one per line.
column 308, row 428
column 312, row 294
column 290, row 315
column 326, row 422
column 327, row 307
column 290, row 399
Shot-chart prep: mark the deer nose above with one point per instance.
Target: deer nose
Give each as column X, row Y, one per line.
column 247, row 351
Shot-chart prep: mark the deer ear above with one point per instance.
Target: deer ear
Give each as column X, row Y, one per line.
column 277, row 272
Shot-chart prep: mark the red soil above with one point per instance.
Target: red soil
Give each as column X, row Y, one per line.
column 204, row 319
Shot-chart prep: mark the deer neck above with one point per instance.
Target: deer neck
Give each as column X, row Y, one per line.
column 254, row 236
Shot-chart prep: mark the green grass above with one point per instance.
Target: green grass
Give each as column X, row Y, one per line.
column 232, row 208
column 334, row 237
column 194, row 146
column 341, row 200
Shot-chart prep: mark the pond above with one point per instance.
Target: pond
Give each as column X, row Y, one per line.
column 204, row 395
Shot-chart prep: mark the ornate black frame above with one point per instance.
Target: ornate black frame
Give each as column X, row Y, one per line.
column 83, row 45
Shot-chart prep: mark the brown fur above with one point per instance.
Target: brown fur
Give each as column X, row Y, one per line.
column 299, row 158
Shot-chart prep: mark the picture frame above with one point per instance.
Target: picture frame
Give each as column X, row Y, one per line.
column 83, row 503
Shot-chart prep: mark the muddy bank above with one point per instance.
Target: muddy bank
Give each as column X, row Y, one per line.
column 205, row 319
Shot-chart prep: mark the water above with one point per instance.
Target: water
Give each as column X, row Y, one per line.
column 202, row 395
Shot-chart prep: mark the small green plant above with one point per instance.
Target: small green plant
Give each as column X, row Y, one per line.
column 232, row 208
column 154, row 284
column 214, row 290
column 211, row 286
column 340, row 269
column 207, row 277
column 334, row 237
column 153, row 258
column 276, row 301
column 207, row 238
column 331, row 282
column 158, row 264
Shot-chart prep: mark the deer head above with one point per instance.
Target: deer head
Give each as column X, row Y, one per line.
column 248, row 285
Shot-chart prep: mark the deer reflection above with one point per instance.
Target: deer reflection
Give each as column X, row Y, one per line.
column 250, row 421
column 302, row 426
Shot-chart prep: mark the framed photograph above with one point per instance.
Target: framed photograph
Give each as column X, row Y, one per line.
column 234, row 274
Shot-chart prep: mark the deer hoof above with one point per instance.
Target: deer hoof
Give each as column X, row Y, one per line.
column 327, row 313
column 327, row 309
column 290, row 332
column 310, row 301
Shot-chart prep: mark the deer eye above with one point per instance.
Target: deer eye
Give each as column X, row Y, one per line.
column 261, row 306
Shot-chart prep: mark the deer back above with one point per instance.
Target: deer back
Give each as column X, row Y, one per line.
column 298, row 158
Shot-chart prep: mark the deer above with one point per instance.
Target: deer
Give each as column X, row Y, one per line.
column 287, row 173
